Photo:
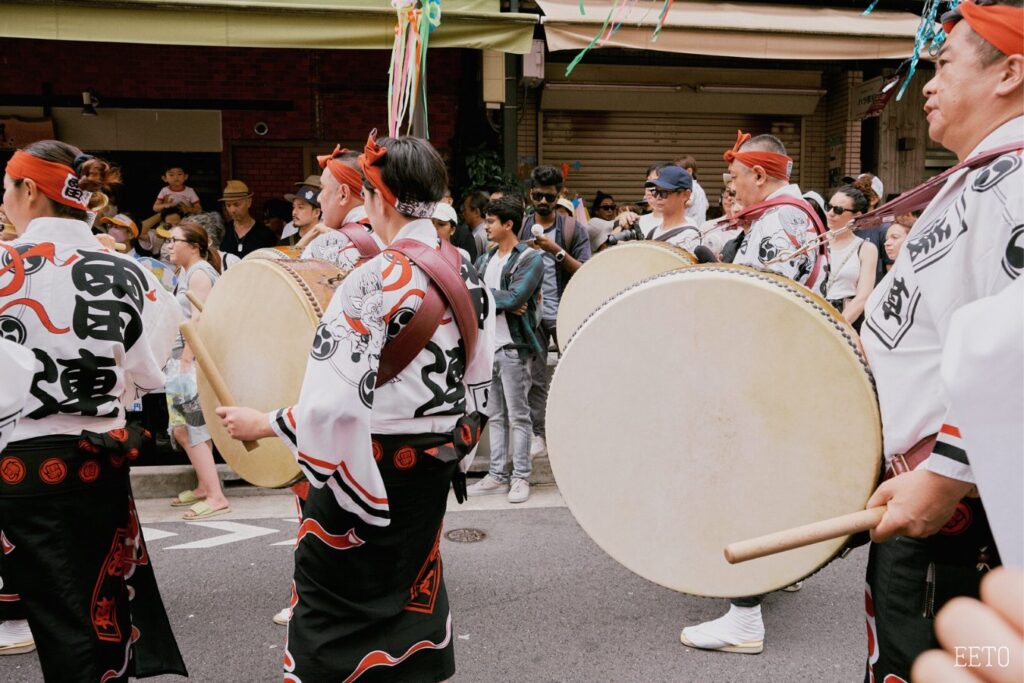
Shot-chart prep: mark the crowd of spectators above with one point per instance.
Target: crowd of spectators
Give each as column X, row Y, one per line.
column 526, row 243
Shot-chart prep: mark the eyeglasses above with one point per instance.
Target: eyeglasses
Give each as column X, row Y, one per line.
column 543, row 196
column 837, row 210
column 607, row 207
column 662, row 194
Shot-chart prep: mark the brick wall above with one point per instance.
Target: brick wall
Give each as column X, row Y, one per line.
column 350, row 86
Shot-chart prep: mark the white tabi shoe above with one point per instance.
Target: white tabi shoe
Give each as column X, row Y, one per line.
column 740, row 630
column 538, row 447
column 16, row 637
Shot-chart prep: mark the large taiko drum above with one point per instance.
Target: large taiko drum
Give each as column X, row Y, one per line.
column 608, row 273
column 258, row 324
column 749, row 409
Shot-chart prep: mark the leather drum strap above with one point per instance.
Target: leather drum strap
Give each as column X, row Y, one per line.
column 364, row 244
column 442, row 266
column 920, row 196
column 757, row 210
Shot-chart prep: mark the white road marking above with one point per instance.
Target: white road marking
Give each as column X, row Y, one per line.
column 236, row 532
column 151, row 534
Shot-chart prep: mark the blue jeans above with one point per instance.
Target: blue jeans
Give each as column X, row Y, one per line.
column 510, row 385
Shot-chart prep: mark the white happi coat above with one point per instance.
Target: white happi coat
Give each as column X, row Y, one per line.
column 334, row 247
column 339, row 408
column 983, row 374
column 778, row 230
column 968, row 244
column 16, row 366
column 101, row 327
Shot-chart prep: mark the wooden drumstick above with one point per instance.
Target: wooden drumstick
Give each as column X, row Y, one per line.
column 801, row 536
column 202, row 354
column 194, row 300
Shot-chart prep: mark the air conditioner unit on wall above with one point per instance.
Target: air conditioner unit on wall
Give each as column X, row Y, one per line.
column 533, row 65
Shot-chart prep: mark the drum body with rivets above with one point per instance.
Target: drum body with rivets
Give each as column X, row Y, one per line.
column 749, row 409
column 258, row 324
column 275, row 253
column 609, row 272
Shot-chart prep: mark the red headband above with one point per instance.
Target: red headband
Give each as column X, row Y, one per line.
column 999, row 25
column 56, row 181
column 371, row 154
column 342, row 172
column 775, row 165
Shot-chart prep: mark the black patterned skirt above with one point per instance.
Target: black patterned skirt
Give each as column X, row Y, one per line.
column 74, row 562
column 369, row 603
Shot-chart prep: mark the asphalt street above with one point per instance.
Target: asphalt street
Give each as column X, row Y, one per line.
column 534, row 601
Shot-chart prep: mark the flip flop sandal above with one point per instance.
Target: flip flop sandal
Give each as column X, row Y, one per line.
column 185, row 499
column 202, row 511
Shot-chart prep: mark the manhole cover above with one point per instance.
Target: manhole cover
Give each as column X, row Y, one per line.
column 465, row 535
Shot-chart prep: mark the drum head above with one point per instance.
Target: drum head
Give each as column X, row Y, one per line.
column 258, row 325
column 749, row 411
column 608, row 273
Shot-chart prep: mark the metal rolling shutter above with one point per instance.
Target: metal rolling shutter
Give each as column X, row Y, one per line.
column 610, row 151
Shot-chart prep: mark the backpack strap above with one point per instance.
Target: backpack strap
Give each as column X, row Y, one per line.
column 568, row 233
column 446, row 288
column 360, row 238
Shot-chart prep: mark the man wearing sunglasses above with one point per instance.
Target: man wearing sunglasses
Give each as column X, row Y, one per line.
column 670, row 192
column 565, row 246
column 934, row 542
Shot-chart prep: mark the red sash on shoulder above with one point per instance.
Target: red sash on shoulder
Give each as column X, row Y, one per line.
column 363, row 242
column 754, row 212
column 443, row 267
column 920, row 196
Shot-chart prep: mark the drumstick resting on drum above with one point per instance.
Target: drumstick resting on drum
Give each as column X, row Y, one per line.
column 209, row 368
column 801, row 536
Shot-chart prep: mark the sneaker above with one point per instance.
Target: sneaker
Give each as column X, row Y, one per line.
column 794, row 588
column 16, row 638
column 740, row 630
column 487, row 486
column 519, row 492
column 538, row 447
column 283, row 617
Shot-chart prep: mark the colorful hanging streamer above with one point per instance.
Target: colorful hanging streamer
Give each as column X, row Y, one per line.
column 416, row 21
column 929, row 34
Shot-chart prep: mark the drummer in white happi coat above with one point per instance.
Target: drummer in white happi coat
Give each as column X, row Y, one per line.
column 369, row 592
column 934, row 542
column 341, row 202
column 782, row 221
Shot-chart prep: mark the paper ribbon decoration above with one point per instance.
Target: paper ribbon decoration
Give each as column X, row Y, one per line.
column 416, row 21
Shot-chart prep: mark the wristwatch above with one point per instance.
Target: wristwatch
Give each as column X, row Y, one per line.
column 560, row 256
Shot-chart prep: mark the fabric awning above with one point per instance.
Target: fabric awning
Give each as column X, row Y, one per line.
column 313, row 24
column 758, row 31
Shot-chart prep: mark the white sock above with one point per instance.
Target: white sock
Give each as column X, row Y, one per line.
column 738, row 625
